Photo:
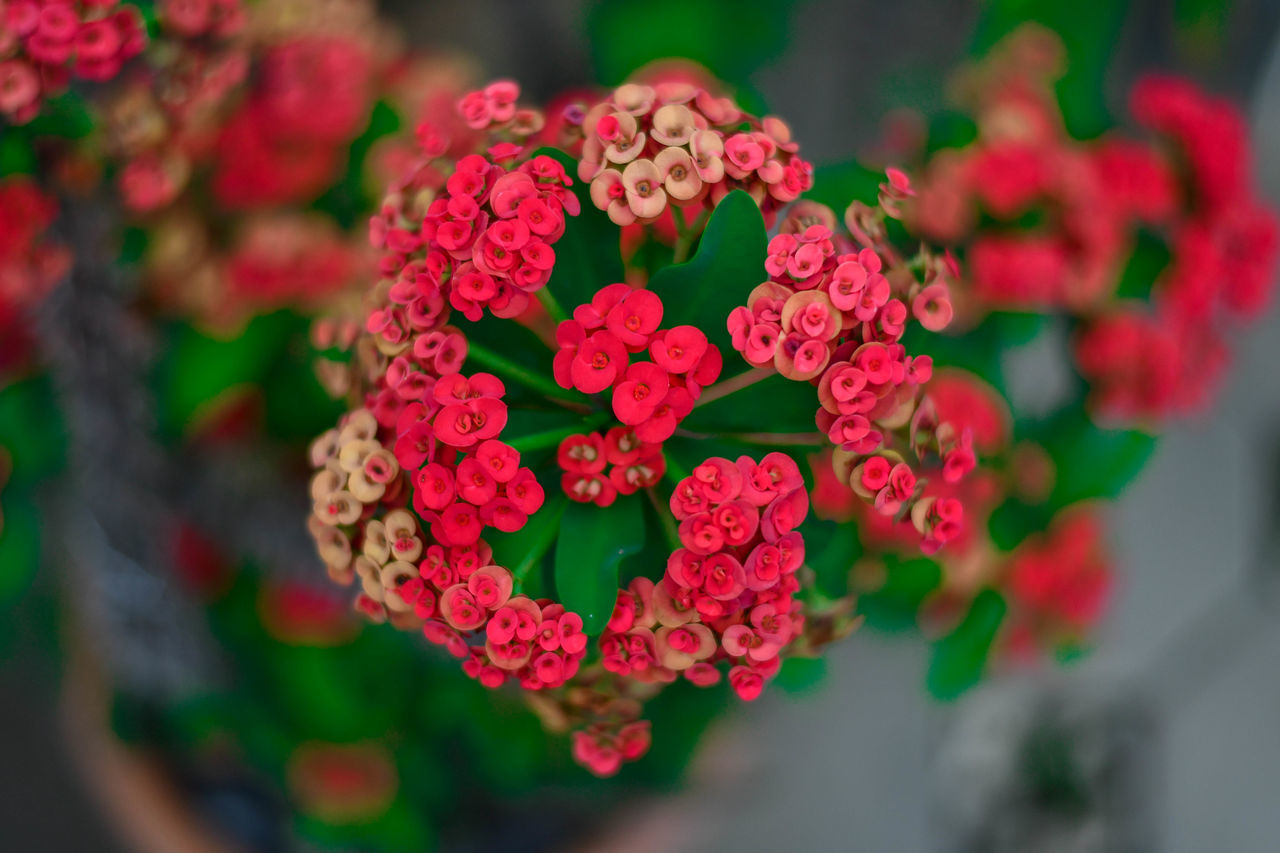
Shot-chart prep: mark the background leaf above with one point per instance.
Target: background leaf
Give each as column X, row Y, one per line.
column 959, row 658
column 593, row 540
column 589, row 255
column 895, row 605
column 718, row 278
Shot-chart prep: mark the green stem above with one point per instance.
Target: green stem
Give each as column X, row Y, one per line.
column 508, row 369
column 675, row 473
column 736, row 383
column 553, row 437
column 553, row 307
column 685, row 234
column 665, row 518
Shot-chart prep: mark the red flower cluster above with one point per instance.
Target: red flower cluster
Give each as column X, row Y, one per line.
column 470, row 480
column 486, row 242
column 1145, row 364
column 289, row 139
column 727, row 593
column 633, row 465
column 678, row 141
column 651, row 396
column 1058, row 583
column 165, row 119
column 830, row 316
column 537, row 643
column 602, row 748
column 29, row 266
column 289, row 260
column 44, row 44
column 1089, row 199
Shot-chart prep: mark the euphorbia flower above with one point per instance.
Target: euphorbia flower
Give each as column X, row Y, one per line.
column 643, row 181
column 599, row 363
column 640, row 393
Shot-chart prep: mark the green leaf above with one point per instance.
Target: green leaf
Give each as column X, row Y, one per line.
column 1093, row 462
column 800, row 676
column 17, row 157
column 523, row 550
column 31, row 430
column 831, row 549
column 951, row 129
column 838, row 184
column 66, row 115
column 895, row 605
column 1013, row 521
column 19, row 546
column 201, row 368
column 593, row 541
column 728, row 264
column 349, row 200
column 959, row 659
column 1089, row 31
column 1150, row 256
column 589, row 254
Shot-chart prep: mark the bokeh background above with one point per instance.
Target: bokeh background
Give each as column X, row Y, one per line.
column 1177, row 708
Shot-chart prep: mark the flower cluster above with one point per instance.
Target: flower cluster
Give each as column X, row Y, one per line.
column 288, row 139
column 163, row 121
column 675, row 142
column 632, row 465
column 418, row 488
column 1058, row 582
column 29, row 265
column 441, row 579
column 596, row 349
column 833, row 314
column 246, row 109
column 44, row 44
column 1192, row 185
column 485, row 242
column 602, row 748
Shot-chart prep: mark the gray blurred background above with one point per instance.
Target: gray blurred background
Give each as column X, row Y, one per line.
column 1176, row 713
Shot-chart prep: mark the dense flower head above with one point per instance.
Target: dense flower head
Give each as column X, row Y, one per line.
column 676, row 144
column 832, row 314
column 601, row 349
column 1058, row 582
column 43, row 45
column 418, row 487
column 287, row 140
column 727, row 594
column 1189, row 180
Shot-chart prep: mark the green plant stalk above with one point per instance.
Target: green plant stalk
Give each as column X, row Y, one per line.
column 732, row 384
column 508, row 369
column 675, row 473
column 685, row 233
column 554, row 310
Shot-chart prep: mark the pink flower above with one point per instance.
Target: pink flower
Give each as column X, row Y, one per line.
column 599, row 363
column 643, row 182
column 678, row 349
column 746, row 683
column 635, row 317
column 679, row 174
column 932, row 307
column 640, row 393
